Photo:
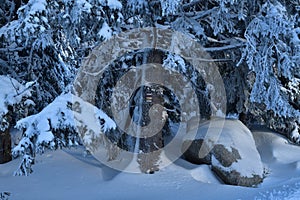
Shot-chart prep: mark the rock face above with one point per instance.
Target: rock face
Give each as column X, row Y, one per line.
column 226, row 165
column 191, row 152
column 228, row 146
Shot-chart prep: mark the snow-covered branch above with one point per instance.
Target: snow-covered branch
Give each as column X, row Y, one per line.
column 59, row 125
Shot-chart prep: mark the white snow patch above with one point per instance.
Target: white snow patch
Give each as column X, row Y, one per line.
column 37, row 6
column 295, row 135
column 114, row 4
column 46, row 137
column 219, row 113
column 232, row 116
column 105, row 31
column 60, row 115
column 275, row 148
column 11, row 93
column 204, row 174
column 169, row 6
column 175, row 63
column 84, row 5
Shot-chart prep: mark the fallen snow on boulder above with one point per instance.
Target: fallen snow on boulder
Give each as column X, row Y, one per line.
column 231, row 151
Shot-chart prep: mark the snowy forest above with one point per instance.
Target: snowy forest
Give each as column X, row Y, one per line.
column 44, row 45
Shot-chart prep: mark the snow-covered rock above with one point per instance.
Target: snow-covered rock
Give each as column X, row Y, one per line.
column 231, row 151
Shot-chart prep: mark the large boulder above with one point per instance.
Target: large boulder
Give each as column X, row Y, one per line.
column 191, row 148
column 229, row 147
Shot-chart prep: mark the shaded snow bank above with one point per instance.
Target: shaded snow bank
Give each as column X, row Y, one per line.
column 72, row 176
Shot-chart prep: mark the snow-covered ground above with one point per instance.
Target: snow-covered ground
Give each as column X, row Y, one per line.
column 67, row 174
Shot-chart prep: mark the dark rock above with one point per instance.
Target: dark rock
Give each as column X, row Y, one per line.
column 235, row 178
column 225, row 157
column 191, row 152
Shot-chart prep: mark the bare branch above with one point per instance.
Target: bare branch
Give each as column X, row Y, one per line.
column 196, row 14
column 210, row 60
column 14, row 86
column 12, row 49
column 233, row 46
column 26, row 89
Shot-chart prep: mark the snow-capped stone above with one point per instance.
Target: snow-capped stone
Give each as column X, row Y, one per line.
column 232, row 154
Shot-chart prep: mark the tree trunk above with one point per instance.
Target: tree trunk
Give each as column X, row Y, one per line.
column 5, row 147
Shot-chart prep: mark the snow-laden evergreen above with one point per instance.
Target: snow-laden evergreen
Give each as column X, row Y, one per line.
column 57, row 126
column 12, row 94
column 45, row 41
column 34, row 52
column 272, row 52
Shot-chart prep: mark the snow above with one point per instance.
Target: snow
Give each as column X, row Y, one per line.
column 114, row 4
column 59, row 115
column 231, row 134
column 110, row 124
column 40, row 122
column 84, row 5
column 239, row 138
column 275, row 148
column 65, row 112
column 169, row 6
column 175, row 63
column 203, row 174
column 105, row 31
column 265, row 33
column 295, row 134
column 58, row 110
column 67, row 174
column 37, row 6
column 45, row 137
column 11, row 93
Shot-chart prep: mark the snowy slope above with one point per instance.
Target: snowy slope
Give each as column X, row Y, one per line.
column 66, row 174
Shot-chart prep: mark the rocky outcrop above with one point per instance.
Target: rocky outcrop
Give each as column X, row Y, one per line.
column 226, row 165
column 191, row 151
column 231, row 152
